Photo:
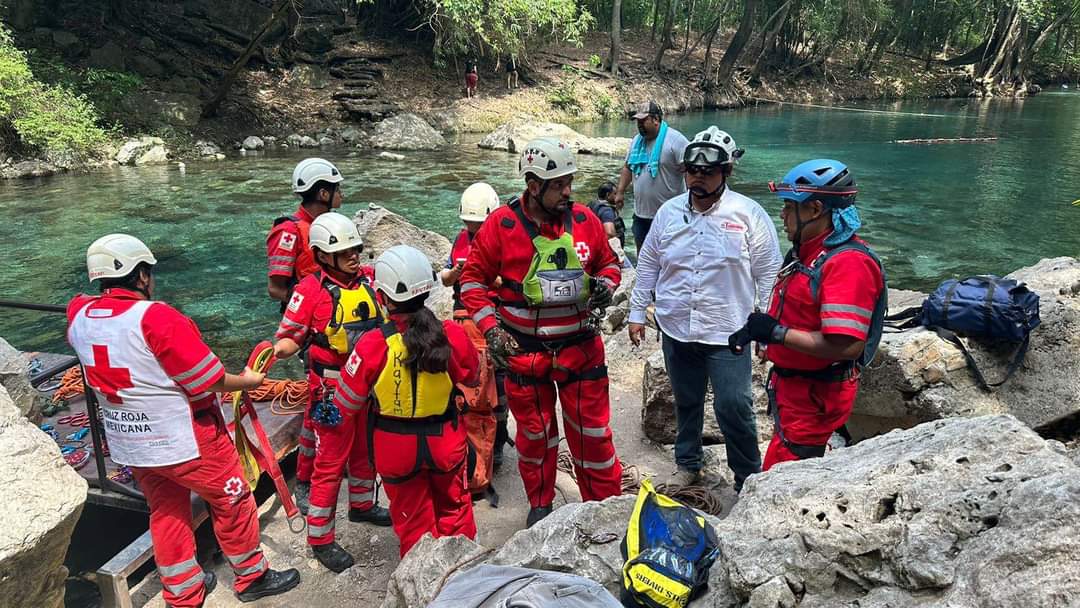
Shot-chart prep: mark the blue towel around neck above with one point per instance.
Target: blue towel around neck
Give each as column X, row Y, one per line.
column 845, row 222
column 639, row 159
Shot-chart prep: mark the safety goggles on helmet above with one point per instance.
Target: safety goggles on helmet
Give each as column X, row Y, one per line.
column 833, row 196
column 707, row 154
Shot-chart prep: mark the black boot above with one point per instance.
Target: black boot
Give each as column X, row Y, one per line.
column 272, row 582
column 303, row 496
column 536, row 514
column 501, row 435
column 332, row 556
column 376, row 515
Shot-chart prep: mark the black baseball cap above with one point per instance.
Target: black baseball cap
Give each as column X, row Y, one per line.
column 645, row 110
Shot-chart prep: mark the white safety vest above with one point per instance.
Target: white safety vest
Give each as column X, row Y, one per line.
column 152, row 424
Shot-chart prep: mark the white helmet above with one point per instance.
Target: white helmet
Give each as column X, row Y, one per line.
column 712, row 147
column 403, row 273
column 116, row 255
column 477, row 202
column 332, row 232
column 546, row 159
column 312, row 170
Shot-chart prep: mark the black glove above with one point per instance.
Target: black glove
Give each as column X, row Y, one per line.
column 602, row 295
column 501, row 346
column 760, row 328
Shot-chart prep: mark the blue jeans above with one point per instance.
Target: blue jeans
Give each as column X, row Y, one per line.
column 640, row 227
column 690, row 366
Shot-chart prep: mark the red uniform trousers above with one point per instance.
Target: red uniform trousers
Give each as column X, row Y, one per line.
column 336, row 446
column 216, row 476
column 808, row 412
column 428, row 495
column 305, row 456
column 579, row 373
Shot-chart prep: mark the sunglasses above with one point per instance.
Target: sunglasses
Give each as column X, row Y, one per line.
column 352, row 252
column 699, row 170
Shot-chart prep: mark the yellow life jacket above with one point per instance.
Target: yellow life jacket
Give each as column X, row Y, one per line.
column 355, row 312
column 404, row 392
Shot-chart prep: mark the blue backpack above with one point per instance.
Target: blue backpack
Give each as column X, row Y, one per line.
column 984, row 306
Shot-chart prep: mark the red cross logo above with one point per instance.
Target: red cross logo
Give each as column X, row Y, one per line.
column 107, row 380
column 294, row 303
column 582, row 251
column 288, row 240
column 529, row 158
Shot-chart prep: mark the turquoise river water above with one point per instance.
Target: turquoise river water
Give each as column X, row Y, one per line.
column 931, row 211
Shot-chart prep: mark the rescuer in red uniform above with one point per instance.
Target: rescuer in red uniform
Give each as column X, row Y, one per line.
column 157, row 384
column 556, row 267
column 329, row 311
column 289, row 258
column 826, row 312
column 410, row 367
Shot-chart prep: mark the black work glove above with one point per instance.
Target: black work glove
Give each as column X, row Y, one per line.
column 501, row 346
column 602, row 295
column 760, row 328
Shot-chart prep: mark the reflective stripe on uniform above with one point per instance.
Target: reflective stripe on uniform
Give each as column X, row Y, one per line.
column 483, row 313
column 184, row 377
column 280, row 268
column 202, row 378
column 314, row 511
column 553, row 442
column 288, row 259
column 533, row 436
column 471, row 286
column 588, row 431
column 547, row 331
column 588, row 464
column 536, row 461
column 319, row 531
column 259, row 567
column 361, row 496
column 291, row 323
column 859, row 325
column 307, row 433
column 859, row 310
column 349, row 397
column 306, row 451
column 236, row 560
column 554, row 312
column 178, row 569
column 196, row 578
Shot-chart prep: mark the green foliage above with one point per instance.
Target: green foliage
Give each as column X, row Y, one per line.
column 606, row 106
column 595, row 61
column 463, row 27
column 564, row 95
column 105, row 89
column 50, row 118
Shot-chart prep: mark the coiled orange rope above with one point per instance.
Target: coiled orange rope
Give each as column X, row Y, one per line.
column 71, row 384
column 286, row 397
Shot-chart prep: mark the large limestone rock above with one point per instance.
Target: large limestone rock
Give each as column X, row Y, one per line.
column 418, row 578
column 14, row 378
column 658, row 404
column 43, row 498
column 917, row 376
column 406, row 132
column 961, row 512
column 513, row 136
column 381, row 229
column 142, row 151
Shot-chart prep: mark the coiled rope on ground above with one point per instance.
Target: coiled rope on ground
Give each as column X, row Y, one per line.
column 694, row 496
column 286, row 397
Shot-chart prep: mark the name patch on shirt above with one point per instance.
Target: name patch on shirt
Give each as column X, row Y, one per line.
column 733, row 227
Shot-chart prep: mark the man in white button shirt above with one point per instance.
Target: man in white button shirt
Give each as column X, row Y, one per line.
column 712, row 257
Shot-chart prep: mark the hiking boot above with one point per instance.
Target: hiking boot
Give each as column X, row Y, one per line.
column 376, row 515
column 501, row 435
column 336, row 559
column 209, row 580
column 302, row 493
column 536, row 514
column 272, row 582
column 681, row 477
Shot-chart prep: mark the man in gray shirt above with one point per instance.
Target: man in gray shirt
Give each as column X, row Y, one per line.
column 654, row 163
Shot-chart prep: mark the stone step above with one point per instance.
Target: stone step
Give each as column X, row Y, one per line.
column 369, row 109
column 357, row 93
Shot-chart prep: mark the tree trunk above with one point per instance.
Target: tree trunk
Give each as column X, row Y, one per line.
column 211, row 107
column 665, row 37
column 707, row 82
column 1031, row 49
column 689, row 18
column 616, row 37
column 655, row 19
column 738, row 43
column 777, row 19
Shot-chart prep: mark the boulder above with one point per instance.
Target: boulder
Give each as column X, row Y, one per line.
column 381, row 229
column 156, row 155
column 109, row 56
column 418, row 578
column 917, row 376
column 251, row 143
column 327, row 141
column 390, row 156
column 406, row 132
column 960, row 512
column 42, row 503
column 658, row 404
column 307, row 76
column 29, row 168
column 314, row 38
column 67, row 43
column 159, row 109
column 352, row 135
column 136, row 148
column 301, row 141
column 513, row 136
column 147, row 66
column 14, row 376
column 207, row 148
